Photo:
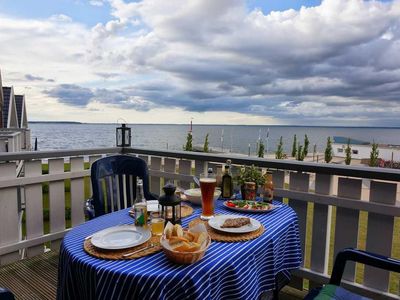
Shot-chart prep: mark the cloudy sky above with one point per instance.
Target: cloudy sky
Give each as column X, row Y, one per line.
column 300, row 62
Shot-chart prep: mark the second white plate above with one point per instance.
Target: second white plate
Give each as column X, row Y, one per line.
column 120, row 237
column 217, row 222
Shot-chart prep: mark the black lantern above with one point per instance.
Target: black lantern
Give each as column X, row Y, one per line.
column 123, row 135
column 170, row 205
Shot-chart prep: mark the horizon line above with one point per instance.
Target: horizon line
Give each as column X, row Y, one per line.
column 214, row 124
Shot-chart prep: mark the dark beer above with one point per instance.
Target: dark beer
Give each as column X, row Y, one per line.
column 207, row 186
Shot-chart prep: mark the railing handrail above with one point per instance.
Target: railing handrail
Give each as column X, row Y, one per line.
column 284, row 164
column 30, row 155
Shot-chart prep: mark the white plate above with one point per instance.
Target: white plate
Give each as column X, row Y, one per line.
column 120, row 237
column 217, row 222
column 252, row 210
column 194, row 195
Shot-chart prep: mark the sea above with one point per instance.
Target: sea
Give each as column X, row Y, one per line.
column 226, row 138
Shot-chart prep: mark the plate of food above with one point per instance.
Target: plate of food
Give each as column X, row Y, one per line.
column 234, row 224
column 250, row 206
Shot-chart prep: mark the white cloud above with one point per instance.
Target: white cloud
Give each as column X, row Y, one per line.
column 96, row 2
column 338, row 58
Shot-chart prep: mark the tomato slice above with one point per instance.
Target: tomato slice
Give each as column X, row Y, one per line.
column 230, row 204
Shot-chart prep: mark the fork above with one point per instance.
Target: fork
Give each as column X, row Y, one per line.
column 137, row 251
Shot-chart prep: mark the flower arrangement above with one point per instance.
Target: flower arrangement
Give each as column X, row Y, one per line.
column 250, row 174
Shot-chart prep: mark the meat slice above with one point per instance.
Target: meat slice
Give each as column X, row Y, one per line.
column 235, row 223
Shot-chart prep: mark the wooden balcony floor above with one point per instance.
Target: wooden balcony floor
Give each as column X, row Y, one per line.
column 36, row 279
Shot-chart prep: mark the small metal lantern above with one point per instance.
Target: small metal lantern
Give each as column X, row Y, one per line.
column 170, row 205
column 123, row 136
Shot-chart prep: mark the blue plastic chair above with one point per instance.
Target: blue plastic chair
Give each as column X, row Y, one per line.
column 333, row 289
column 6, row 294
column 114, row 184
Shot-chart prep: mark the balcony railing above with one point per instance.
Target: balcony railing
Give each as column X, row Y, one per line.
column 337, row 206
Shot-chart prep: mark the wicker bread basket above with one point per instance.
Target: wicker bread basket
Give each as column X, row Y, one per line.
column 186, row 258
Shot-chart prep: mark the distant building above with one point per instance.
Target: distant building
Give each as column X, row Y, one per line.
column 21, row 111
column 10, row 118
column 362, row 149
column 1, row 102
column 14, row 132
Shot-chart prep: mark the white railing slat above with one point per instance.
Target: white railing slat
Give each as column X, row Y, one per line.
column 145, row 158
column 321, row 226
column 56, row 200
column 185, row 167
column 346, row 229
column 92, row 159
column 169, row 166
column 34, row 207
column 77, row 193
column 199, row 167
column 155, row 181
column 380, row 228
column 300, row 182
column 9, row 218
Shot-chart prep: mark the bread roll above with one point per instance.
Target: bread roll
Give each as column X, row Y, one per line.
column 168, row 230
column 176, row 239
column 177, row 230
column 201, row 238
column 190, row 236
column 193, row 247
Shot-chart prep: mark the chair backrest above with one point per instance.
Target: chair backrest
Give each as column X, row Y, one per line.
column 6, row 294
column 114, row 182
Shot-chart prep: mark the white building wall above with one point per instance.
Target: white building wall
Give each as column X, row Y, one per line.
column 3, row 145
column 364, row 151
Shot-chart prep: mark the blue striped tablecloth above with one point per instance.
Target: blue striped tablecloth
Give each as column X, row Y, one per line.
column 240, row 270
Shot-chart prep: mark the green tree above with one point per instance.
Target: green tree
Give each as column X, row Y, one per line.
column 261, row 148
column 374, row 156
column 348, row 153
column 279, row 150
column 328, row 150
column 189, row 142
column 306, row 144
column 206, row 143
column 300, row 153
column 294, row 147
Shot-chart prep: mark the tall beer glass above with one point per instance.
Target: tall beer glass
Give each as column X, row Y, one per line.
column 207, row 186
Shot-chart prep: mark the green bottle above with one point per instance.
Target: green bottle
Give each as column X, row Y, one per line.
column 227, row 183
column 140, row 205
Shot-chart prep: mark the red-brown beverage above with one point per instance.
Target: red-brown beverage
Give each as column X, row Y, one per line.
column 207, row 186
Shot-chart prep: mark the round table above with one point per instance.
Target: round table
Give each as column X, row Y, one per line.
column 242, row 270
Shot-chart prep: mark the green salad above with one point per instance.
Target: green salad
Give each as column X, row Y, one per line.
column 247, row 204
